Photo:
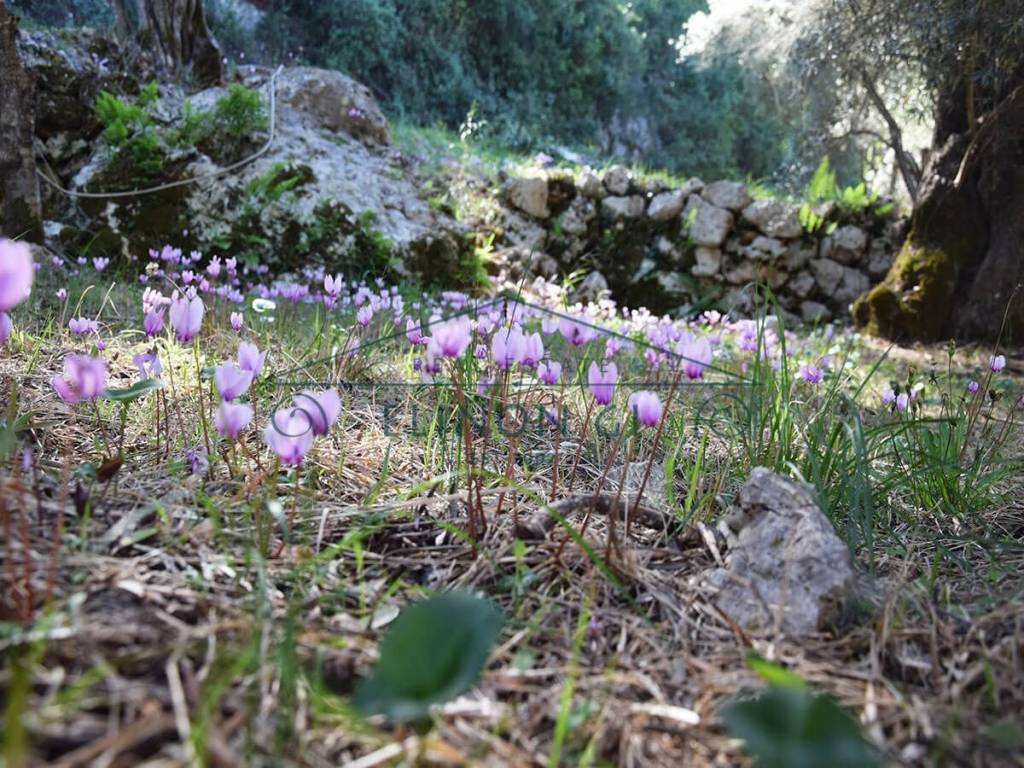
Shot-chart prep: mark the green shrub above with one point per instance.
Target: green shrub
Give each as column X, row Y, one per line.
column 240, row 114
column 129, row 131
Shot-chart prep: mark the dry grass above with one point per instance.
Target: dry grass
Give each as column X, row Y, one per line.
column 163, row 631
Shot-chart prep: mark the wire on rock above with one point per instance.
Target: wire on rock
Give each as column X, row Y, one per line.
column 195, row 179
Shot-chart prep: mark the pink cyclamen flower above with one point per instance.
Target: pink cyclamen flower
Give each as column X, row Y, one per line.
column 888, row 396
column 997, row 363
column 82, row 325
column 148, row 365
column 973, row 387
column 100, row 263
column 696, row 354
column 289, row 434
column 811, row 373
column 549, row 371
column 902, row 401
column 322, row 408
column 602, row 382
column 186, row 316
column 236, row 321
column 452, row 336
column 16, row 274
column 231, row 380
column 62, row 295
column 646, row 406
column 153, row 322
column 576, row 333
column 507, row 346
column 333, row 285
column 83, row 379
column 413, row 332
column 250, row 358
column 231, row 418
column 364, row 315
column 533, row 350
column 6, row 327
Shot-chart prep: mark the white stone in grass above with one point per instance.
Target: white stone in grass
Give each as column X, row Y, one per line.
column 788, row 566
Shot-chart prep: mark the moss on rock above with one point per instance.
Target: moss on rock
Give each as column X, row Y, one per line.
column 914, row 299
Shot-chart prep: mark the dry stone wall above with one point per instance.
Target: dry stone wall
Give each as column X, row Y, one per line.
column 676, row 248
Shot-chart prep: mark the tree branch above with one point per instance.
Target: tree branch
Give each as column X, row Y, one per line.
column 909, row 169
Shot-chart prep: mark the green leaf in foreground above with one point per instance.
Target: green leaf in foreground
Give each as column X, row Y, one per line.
column 791, row 727
column 134, row 392
column 435, row 650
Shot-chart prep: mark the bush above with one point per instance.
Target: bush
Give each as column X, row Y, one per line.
column 129, row 131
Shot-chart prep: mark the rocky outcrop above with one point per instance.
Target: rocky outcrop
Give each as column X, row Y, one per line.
column 671, row 248
column 329, row 189
column 333, row 102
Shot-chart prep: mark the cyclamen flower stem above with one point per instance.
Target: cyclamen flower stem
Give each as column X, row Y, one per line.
column 177, row 406
column 468, row 440
column 558, row 442
column 202, row 405
column 295, row 502
column 579, row 448
column 600, row 486
column 654, row 445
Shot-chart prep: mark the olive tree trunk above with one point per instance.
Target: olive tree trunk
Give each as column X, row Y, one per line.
column 176, row 33
column 957, row 274
column 20, row 206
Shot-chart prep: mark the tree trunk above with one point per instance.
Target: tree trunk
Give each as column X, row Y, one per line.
column 958, row 270
column 177, row 34
column 20, row 205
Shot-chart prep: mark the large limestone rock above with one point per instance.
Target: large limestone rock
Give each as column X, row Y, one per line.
column 616, row 207
column 710, row 224
column 853, row 284
column 708, row 261
column 727, row 194
column 351, row 204
column 334, row 102
column 764, row 249
column 802, row 284
column 814, row 312
column 788, row 566
column 847, row 244
column 589, row 185
column 529, row 193
column 666, row 205
column 576, row 219
column 617, row 179
column 774, row 218
column 827, row 274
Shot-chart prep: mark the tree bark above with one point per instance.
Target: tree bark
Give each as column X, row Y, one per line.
column 20, row 205
column 177, row 34
column 957, row 274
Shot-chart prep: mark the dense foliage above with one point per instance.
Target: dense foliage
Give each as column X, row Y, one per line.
column 535, row 73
